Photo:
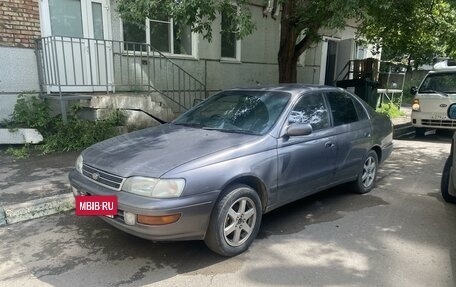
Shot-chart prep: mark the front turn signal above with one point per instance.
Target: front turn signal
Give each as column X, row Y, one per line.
column 158, row 220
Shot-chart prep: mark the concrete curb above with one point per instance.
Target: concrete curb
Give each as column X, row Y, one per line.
column 403, row 130
column 36, row 208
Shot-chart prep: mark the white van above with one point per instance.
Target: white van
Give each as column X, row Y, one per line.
column 436, row 92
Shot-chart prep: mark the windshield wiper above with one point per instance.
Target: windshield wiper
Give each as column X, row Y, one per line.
column 193, row 125
column 239, row 131
column 436, row 92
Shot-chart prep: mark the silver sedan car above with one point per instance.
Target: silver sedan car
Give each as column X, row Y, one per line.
column 213, row 172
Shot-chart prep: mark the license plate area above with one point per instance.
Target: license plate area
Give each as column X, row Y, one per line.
column 439, row 117
column 96, row 205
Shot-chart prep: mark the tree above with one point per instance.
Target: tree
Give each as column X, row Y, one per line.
column 414, row 30
column 418, row 28
column 300, row 19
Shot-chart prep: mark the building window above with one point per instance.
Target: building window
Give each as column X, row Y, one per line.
column 66, row 18
column 164, row 35
column 361, row 52
column 230, row 46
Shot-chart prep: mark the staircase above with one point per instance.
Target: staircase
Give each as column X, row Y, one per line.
column 123, row 75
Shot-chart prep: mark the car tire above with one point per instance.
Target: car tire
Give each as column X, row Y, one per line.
column 419, row 132
column 235, row 221
column 445, row 182
column 366, row 178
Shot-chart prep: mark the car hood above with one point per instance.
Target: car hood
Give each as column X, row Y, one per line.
column 154, row 151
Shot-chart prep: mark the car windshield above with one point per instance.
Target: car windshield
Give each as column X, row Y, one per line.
column 439, row 82
column 238, row 111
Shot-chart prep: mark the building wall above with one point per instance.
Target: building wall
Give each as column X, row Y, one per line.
column 19, row 25
column 258, row 57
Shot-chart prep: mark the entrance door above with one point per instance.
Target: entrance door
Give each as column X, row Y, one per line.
column 78, row 58
column 331, row 63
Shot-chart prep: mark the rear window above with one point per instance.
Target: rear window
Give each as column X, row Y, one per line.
column 439, row 82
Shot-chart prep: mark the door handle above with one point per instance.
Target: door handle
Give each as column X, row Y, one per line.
column 367, row 134
column 329, row 144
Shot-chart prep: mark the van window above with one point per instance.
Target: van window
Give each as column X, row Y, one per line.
column 439, row 82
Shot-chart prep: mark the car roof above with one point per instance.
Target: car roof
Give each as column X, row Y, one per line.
column 290, row 88
column 446, row 71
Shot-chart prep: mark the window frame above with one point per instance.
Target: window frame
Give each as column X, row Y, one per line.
column 323, row 95
column 352, row 98
column 237, row 58
column 194, row 38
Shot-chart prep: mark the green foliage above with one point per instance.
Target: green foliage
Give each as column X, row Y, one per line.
column 391, row 110
column 31, row 112
column 21, row 152
column 410, row 30
column 76, row 134
column 196, row 14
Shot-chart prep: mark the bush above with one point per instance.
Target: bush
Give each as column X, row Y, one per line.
column 76, row 134
column 31, row 112
column 391, row 110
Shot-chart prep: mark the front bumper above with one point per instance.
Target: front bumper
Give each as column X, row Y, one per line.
column 432, row 120
column 195, row 211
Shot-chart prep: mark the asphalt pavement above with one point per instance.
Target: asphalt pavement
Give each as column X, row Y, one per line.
column 400, row 234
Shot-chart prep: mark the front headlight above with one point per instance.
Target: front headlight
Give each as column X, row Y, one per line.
column 79, row 161
column 416, row 105
column 154, row 187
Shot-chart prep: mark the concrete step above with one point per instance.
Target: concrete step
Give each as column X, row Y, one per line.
column 143, row 109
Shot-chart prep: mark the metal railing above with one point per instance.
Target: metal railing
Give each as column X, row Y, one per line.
column 360, row 69
column 69, row 64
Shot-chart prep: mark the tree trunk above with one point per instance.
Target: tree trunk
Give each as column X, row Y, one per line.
column 288, row 35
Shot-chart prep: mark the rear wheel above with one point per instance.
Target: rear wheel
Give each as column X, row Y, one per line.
column 366, row 178
column 235, row 221
column 447, row 181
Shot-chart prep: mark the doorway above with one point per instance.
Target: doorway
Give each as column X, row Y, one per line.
column 81, row 58
column 331, row 63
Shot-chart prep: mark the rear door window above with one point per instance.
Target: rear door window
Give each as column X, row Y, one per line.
column 342, row 108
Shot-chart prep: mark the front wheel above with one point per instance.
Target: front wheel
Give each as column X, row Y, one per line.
column 447, row 182
column 366, row 178
column 235, row 221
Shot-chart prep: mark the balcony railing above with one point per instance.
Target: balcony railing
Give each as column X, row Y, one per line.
column 68, row 64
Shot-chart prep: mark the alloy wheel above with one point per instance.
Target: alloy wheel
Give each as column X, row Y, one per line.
column 239, row 221
column 369, row 170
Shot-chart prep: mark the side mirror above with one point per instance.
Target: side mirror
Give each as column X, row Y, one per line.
column 413, row 91
column 298, row 130
column 452, row 111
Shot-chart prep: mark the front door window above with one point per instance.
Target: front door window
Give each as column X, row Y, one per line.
column 97, row 19
column 66, row 18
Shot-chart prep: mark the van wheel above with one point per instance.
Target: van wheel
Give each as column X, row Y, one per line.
column 235, row 221
column 366, row 178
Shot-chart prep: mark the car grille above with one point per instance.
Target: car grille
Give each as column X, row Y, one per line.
column 439, row 123
column 101, row 177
